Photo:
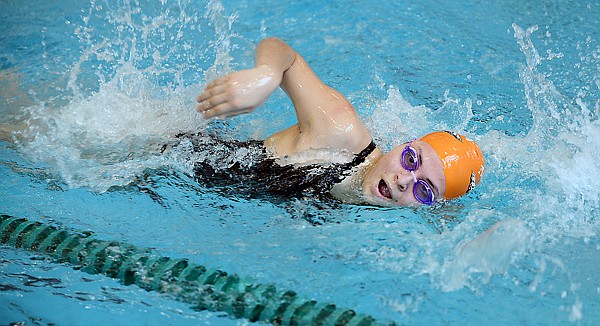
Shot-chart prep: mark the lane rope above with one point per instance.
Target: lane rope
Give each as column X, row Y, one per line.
column 202, row 287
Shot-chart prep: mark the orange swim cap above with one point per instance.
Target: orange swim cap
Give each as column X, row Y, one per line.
column 461, row 158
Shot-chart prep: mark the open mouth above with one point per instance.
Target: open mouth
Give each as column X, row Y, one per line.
column 384, row 190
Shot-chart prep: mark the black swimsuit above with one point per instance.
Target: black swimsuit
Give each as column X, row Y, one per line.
column 245, row 167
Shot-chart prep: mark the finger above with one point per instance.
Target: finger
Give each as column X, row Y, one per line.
column 220, row 111
column 204, row 96
column 219, row 98
column 217, row 82
column 211, row 91
column 206, row 105
column 213, row 101
column 225, row 111
column 203, row 106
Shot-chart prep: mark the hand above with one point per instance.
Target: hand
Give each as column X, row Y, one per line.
column 238, row 93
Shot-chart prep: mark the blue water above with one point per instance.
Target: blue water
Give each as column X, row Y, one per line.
column 90, row 90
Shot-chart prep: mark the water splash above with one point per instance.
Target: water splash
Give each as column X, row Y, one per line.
column 129, row 92
column 546, row 172
column 395, row 121
column 542, row 177
column 490, row 253
column 564, row 142
column 223, row 41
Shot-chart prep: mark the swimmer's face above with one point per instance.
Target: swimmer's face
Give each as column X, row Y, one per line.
column 388, row 183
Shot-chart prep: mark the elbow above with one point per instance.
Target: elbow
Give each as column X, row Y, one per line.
column 274, row 47
column 273, row 41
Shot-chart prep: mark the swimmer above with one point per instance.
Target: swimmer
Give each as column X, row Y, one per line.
column 438, row 166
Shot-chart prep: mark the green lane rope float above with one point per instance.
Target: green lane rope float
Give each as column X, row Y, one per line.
column 202, row 287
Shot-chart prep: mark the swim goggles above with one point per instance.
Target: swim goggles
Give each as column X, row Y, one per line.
column 421, row 189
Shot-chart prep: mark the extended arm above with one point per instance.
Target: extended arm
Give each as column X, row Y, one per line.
column 325, row 117
column 243, row 91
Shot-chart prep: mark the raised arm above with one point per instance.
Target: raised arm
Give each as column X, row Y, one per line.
column 245, row 90
column 325, row 117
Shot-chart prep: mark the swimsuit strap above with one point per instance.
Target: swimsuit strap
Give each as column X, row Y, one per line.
column 336, row 173
column 344, row 170
column 360, row 157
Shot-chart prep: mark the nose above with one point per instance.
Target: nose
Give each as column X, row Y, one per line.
column 404, row 180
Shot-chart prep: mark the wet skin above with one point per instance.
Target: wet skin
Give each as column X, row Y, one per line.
column 326, row 120
column 388, row 183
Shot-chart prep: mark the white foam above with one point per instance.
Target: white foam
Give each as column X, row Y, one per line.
column 127, row 95
column 110, row 136
column 546, row 177
column 395, row 120
column 488, row 254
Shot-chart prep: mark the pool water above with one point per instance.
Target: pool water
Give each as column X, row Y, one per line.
column 90, row 91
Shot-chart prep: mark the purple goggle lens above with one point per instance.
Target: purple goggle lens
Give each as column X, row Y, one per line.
column 421, row 189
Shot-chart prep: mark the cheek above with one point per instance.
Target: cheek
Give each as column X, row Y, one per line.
column 380, row 169
column 392, row 164
column 407, row 199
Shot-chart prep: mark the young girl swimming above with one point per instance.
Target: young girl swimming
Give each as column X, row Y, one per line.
column 440, row 165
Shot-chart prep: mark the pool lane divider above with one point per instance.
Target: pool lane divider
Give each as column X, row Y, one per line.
column 202, row 287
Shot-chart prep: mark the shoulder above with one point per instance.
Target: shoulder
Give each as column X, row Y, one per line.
column 349, row 134
column 340, row 127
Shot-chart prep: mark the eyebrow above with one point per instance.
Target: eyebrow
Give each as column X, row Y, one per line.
column 435, row 188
